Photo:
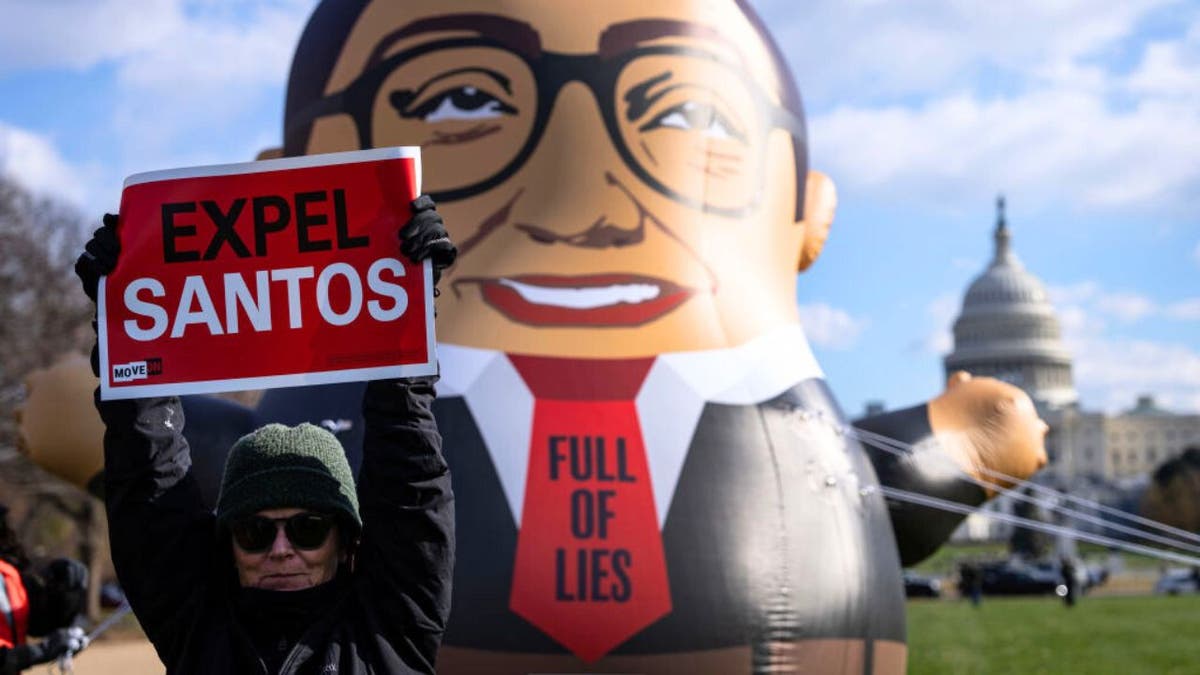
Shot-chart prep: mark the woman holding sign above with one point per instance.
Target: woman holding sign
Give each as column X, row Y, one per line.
column 305, row 574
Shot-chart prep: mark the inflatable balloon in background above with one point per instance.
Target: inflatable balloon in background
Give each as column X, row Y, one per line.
column 645, row 457
column 630, row 407
column 66, row 440
column 60, row 430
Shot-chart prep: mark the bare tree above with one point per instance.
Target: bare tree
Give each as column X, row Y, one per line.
column 43, row 314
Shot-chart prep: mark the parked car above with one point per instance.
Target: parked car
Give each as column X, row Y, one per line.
column 1016, row 577
column 1097, row 575
column 918, row 585
column 1085, row 577
column 1177, row 581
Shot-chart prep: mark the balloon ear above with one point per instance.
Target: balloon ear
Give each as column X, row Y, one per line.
column 269, row 153
column 820, row 203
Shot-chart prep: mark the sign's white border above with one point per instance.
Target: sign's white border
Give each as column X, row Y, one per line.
column 111, row 393
column 282, row 164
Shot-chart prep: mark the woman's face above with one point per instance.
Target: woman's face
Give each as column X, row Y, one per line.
column 285, row 566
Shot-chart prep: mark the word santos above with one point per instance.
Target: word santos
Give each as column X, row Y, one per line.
column 339, row 291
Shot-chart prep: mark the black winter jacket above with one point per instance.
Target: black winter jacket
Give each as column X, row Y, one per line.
column 389, row 613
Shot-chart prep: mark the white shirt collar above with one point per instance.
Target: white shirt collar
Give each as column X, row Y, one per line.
column 669, row 403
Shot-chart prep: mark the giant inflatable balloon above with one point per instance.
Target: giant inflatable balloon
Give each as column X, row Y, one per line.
column 647, row 476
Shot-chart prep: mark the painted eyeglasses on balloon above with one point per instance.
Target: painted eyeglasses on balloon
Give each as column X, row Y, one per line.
column 689, row 124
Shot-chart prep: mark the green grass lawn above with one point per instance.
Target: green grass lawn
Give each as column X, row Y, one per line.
column 1120, row 635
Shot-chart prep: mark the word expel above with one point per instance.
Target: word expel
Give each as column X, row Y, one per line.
column 271, row 214
column 253, row 294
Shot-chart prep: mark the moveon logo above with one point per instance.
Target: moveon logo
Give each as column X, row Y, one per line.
column 136, row 370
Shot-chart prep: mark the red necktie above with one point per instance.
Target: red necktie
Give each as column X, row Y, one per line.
column 589, row 569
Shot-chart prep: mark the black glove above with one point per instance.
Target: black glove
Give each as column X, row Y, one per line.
column 66, row 574
column 99, row 257
column 60, row 642
column 57, row 594
column 425, row 236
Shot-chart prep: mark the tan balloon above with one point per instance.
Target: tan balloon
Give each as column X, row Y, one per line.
column 58, row 427
column 628, row 182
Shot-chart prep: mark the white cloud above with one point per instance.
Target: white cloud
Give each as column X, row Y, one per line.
column 183, row 68
column 942, row 311
column 1169, row 68
column 1051, row 146
column 35, row 162
column 840, row 49
column 1184, row 310
column 830, row 327
column 935, row 102
column 1111, row 373
column 203, row 76
column 1075, row 320
column 930, row 105
column 1074, row 293
column 966, row 264
column 1083, row 303
column 1125, row 306
column 192, row 82
column 207, row 49
column 79, row 34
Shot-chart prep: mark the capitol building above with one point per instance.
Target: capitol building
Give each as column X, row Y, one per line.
column 1008, row 329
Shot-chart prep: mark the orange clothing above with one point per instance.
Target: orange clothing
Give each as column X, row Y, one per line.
column 14, row 607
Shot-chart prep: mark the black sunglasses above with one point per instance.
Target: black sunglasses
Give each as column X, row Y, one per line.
column 256, row 534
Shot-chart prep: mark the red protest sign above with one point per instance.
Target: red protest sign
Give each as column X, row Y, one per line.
column 266, row 274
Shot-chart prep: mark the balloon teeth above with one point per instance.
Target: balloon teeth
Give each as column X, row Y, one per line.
column 588, row 297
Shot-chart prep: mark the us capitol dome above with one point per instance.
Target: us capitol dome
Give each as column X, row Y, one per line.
column 1008, row 329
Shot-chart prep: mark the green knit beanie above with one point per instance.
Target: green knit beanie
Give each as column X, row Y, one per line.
column 277, row 466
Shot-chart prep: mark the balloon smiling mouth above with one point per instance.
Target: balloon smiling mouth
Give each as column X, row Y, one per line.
column 596, row 300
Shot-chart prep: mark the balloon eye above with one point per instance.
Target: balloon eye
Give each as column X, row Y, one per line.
column 458, row 103
column 702, row 118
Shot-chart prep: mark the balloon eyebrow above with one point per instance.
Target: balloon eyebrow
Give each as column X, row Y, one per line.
column 621, row 37
column 516, row 35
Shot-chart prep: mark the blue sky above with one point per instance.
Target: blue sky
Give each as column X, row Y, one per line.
column 1085, row 115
